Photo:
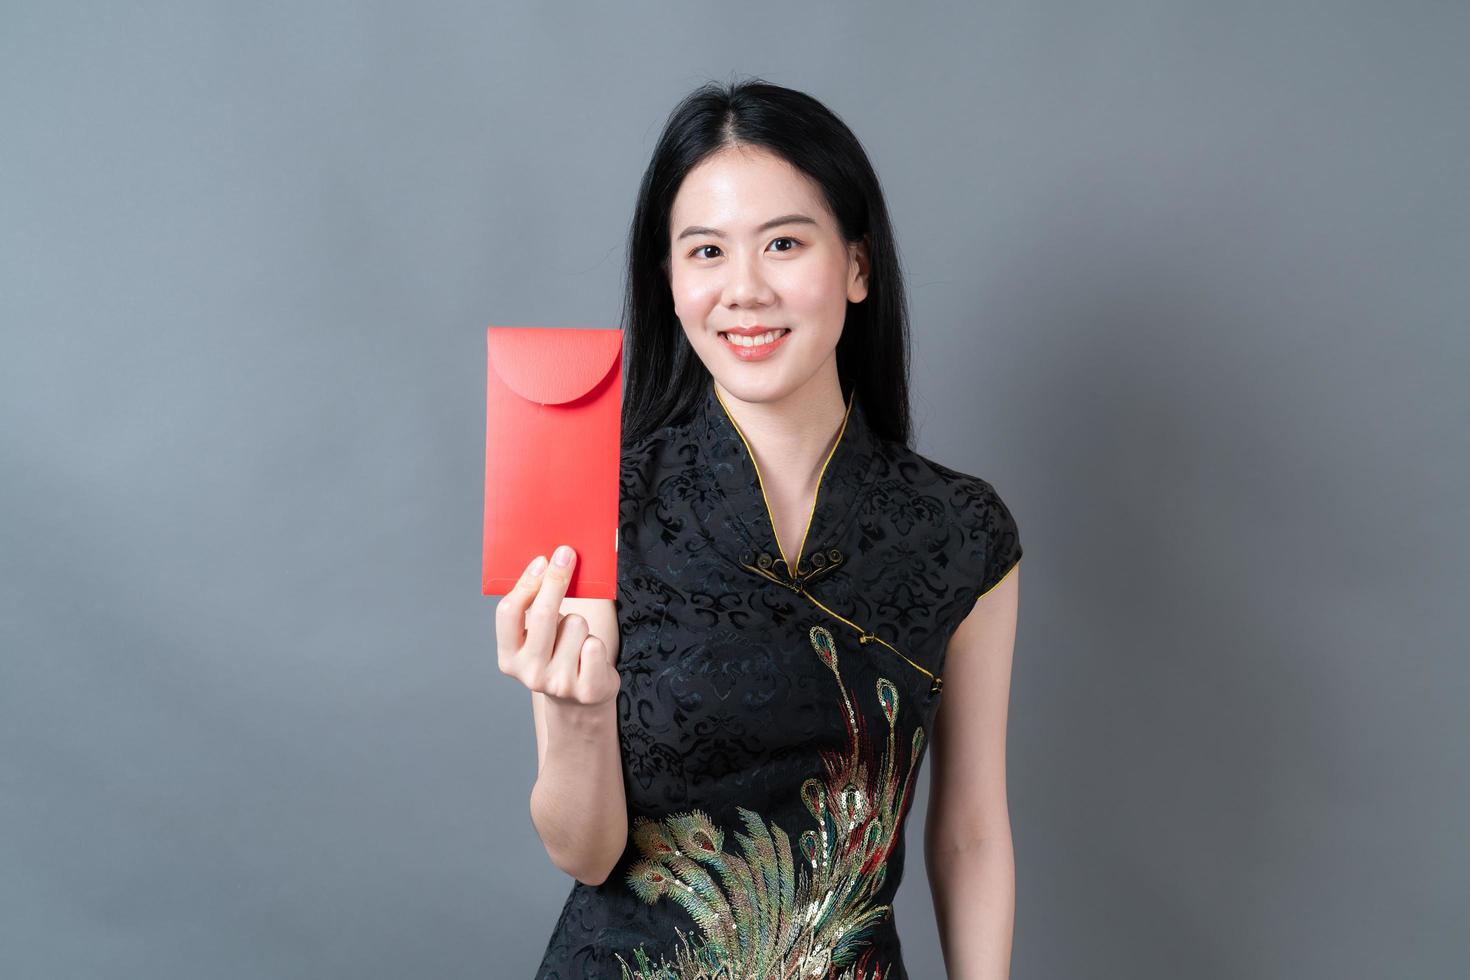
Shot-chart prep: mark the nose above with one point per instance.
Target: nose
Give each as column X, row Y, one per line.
column 747, row 284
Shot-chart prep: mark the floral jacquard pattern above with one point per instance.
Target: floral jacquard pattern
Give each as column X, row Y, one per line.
column 766, row 789
column 764, row 913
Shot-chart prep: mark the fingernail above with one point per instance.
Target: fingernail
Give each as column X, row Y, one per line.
column 563, row 555
column 537, row 566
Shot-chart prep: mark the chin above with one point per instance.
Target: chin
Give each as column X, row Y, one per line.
column 752, row 389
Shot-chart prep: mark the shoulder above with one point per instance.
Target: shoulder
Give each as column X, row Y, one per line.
column 654, row 474
column 971, row 498
column 644, row 463
column 977, row 500
column 985, row 535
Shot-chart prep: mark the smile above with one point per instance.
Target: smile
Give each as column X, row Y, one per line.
column 769, row 337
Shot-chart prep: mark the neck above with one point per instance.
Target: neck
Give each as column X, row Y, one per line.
column 791, row 438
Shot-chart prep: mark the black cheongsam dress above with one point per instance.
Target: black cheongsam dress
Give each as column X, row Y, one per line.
column 773, row 718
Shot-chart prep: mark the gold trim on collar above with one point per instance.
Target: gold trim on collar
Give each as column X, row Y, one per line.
column 770, row 517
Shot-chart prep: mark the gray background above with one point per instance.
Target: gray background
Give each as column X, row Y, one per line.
column 1189, row 285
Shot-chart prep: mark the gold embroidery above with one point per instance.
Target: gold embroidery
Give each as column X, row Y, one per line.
column 798, row 585
column 762, row 913
column 865, row 637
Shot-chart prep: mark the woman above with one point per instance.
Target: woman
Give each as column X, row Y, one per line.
column 727, row 754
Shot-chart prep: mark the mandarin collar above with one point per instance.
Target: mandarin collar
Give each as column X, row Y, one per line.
column 732, row 468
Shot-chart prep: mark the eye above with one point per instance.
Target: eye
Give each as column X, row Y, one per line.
column 784, row 238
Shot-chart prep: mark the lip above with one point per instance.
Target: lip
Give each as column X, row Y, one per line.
column 754, row 331
column 756, row 353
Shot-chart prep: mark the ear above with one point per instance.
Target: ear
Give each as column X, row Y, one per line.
column 857, row 283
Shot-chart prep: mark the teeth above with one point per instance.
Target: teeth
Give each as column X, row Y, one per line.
column 756, row 341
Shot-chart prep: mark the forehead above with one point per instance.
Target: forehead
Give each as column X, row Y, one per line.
column 737, row 188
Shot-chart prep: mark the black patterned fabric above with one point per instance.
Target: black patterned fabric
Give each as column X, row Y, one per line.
column 772, row 725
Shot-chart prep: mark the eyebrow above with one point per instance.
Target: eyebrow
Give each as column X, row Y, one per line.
column 785, row 219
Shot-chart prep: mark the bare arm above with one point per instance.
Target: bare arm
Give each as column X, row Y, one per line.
column 967, row 838
column 565, row 651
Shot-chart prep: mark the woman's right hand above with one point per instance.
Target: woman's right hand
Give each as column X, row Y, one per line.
column 549, row 652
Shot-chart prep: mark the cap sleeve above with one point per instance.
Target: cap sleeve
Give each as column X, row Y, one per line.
column 991, row 547
column 1003, row 541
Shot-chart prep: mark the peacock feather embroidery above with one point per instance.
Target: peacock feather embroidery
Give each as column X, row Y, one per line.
column 771, row 912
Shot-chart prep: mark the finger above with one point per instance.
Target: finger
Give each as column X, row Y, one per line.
column 510, row 614
column 543, row 618
column 566, row 658
column 598, row 678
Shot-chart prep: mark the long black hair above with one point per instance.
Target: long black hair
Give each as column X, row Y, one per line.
column 663, row 377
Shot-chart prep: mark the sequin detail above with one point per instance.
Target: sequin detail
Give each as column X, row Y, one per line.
column 771, row 912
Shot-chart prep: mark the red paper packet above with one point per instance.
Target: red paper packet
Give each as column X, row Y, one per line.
column 553, row 412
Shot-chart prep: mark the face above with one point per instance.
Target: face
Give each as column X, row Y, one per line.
column 752, row 243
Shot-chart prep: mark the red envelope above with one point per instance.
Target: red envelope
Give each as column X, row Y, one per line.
column 553, row 424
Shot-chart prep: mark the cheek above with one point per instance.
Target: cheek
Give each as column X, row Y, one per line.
column 818, row 302
column 814, row 288
column 693, row 298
